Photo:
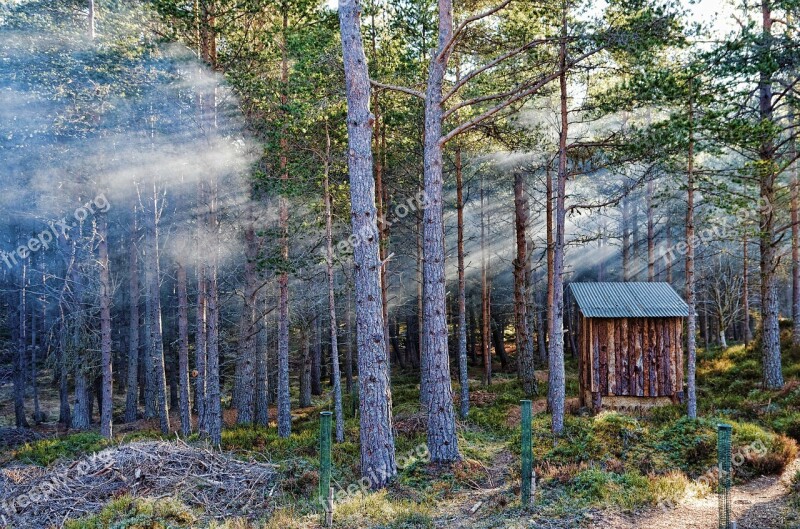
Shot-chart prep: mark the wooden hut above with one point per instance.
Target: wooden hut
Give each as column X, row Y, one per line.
column 630, row 343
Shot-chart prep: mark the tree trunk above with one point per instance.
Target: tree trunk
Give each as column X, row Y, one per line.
column 184, row 403
column 262, row 366
column 651, row 235
column 305, row 369
column 556, row 379
column 691, row 321
column 64, row 415
column 498, row 330
column 375, row 401
column 795, row 218
column 463, row 368
column 248, row 329
column 19, row 376
column 107, row 404
column 334, row 334
column 747, row 334
column 348, row 360
column 201, row 348
column 486, row 304
column 132, row 390
column 156, row 339
column 316, row 359
column 525, row 363
column 213, row 407
column 284, row 403
column 770, row 307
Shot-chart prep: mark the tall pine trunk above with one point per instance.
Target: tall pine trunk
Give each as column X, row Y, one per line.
column 463, row 368
column 284, row 404
column 132, row 389
column 184, row 399
column 19, row 376
column 767, row 169
column 246, row 382
column 691, row 321
column 525, row 363
column 334, row 334
column 107, row 404
column 305, row 368
column 375, row 400
column 213, row 407
column 153, row 282
column 556, row 377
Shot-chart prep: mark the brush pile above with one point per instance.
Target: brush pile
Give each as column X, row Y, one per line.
column 215, row 484
column 14, row 437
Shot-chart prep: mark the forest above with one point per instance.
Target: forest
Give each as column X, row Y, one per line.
column 400, row 264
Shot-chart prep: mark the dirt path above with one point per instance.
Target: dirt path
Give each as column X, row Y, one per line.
column 759, row 504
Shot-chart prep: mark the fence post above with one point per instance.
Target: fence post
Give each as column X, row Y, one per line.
column 724, row 468
column 325, row 496
column 527, row 456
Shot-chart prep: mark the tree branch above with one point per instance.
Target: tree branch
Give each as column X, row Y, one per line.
column 518, row 94
column 488, row 66
column 460, row 29
column 403, row 89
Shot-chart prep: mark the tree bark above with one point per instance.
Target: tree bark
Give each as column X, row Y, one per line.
column 153, row 282
column 184, row 403
column 213, row 407
column 486, row 304
column 463, row 368
column 107, row 404
column 375, row 401
column 795, row 219
column 651, row 235
column 132, row 390
column 525, row 363
column 201, row 347
column 691, row 321
column 334, row 333
column 284, row 403
column 770, row 307
column 747, row 334
column 262, row 366
column 248, row 329
column 19, row 376
column 305, row 368
column 556, row 377
column 316, row 359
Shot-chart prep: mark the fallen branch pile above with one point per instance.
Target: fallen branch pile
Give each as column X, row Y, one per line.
column 14, row 437
column 215, row 484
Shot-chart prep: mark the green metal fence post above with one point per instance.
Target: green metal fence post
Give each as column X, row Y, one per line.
column 527, row 455
column 724, row 467
column 325, row 465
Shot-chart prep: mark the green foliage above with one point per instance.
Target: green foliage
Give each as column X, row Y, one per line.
column 129, row 513
column 48, row 451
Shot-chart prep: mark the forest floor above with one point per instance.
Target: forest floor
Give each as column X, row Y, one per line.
column 610, row 471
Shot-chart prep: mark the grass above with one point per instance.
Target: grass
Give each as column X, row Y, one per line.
column 609, row 460
column 129, row 513
column 47, row 451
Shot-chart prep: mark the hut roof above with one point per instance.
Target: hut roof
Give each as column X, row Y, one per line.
column 628, row 300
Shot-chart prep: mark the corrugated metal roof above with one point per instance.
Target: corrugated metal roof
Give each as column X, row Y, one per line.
column 628, row 300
